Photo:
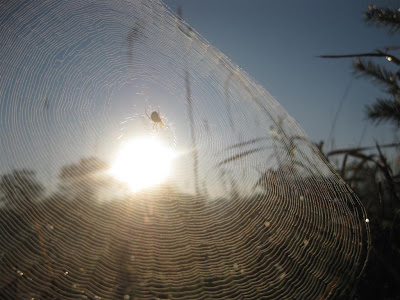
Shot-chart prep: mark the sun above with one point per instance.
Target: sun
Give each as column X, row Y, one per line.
column 142, row 163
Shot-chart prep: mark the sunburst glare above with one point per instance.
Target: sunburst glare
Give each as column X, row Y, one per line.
column 142, row 163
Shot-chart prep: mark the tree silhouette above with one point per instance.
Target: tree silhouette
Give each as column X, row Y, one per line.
column 20, row 188
column 82, row 179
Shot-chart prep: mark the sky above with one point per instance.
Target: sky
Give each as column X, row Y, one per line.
column 278, row 44
column 97, row 91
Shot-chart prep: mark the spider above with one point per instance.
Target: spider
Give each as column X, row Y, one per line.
column 156, row 118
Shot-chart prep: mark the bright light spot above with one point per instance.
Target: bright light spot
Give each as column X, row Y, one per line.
column 142, row 163
column 367, row 220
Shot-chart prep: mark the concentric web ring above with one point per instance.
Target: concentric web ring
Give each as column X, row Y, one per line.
column 247, row 209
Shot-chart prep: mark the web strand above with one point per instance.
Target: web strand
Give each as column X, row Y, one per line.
column 249, row 210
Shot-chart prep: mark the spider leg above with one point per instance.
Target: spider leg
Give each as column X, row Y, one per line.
column 163, row 124
column 145, row 111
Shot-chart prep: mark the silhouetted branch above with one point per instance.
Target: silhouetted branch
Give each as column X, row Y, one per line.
column 359, row 149
column 378, row 73
column 384, row 17
column 378, row 53
column 384, row 110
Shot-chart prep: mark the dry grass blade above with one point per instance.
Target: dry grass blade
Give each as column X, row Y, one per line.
column 241, row 155
column 250, row 142
column 378, row 53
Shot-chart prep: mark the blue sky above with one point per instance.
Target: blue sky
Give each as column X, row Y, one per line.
column 277, row 43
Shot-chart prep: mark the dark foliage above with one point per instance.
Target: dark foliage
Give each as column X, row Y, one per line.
column 379, row 74
column 369, row 172
column 384, row 110
column 385, row 17
column 371, row 177
column 387, row 109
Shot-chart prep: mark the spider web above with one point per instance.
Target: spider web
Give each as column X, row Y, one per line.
column 252, row 209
